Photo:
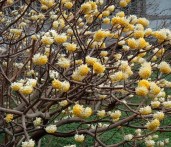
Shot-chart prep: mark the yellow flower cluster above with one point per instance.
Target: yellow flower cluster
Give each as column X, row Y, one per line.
column 46, row 4
column 164, row 67
column 60, row 38
column 158, row 115
column 79, row 138
column 145, row 110
column 98, row 68
column 88, row 7
column 81, row 72
column 124, row 3
column 100, row 35
column 153, row 125
column 61, row 86
column 64, row 62
column 51, row 129
column 80, row 111
column 39, row 59
column 116, row 115
column 145, row 70
column 24, row 86
column 71, row 47
column 9, row 118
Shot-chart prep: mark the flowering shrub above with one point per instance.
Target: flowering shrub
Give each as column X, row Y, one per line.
column 59, row 65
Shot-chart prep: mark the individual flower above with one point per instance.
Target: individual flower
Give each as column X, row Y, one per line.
column 154, row 88
column 118, row 76
column 64, row 62
column 167, row 104
column 56, row 84
column 149, row 143
column 158, row 115
column 83, row 70
column 37, row 121
column 9, row 118
column 116, row 115
column 98, row 68
column 79, row 138
column 63, row 103
column 144, row 83
column 77, row 110
column 123, row 3
column 100, row 35
column 164, row 67
column 153, row 125
column 16, row 86
column 39, row 59
column 128, row 137
column 132, row 43
column 86, row 8
column 145, row 110
column 145, row 71
column 90, row 60
column 60, row 38
column 155, row 104
column 71, row 47
column 80, row 111
column 143, row 21
column 68, row 5
column 29, row 143
column 101, row 113
column 65, row 86
column 26, row 90
column 141, row 91
column 31, row 82
column 51, row 129
column 47, row 40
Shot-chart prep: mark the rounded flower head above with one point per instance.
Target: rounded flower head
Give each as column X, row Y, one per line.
column 65, row 86
column 90, row 60
column 77, row 110
column 9, row 118
column 145, row 71
column 16, row 86
column 132, row 43
column 37, row 121
column 86, row 8
column 155, row 104
column 47, row 40
column 101, row 113
column 141, row 91
column 128, row 137
column 123, row 3
column 154, row 89
column 26, row 90
column 56, row 84
column 71, row 47
column 64, row 62
column 143, row 21
column 164, row 67
column 146, row 110
column 98, row 68
column 144, row 83
column 39, row 59
column 153, row 125
column 83, row 70
column 60, row 38
column 79, row 138
column 30, row 143
column 63, row 103
column 51, row 129
column 158, row 115
column 116, row 115
column 100, row 35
